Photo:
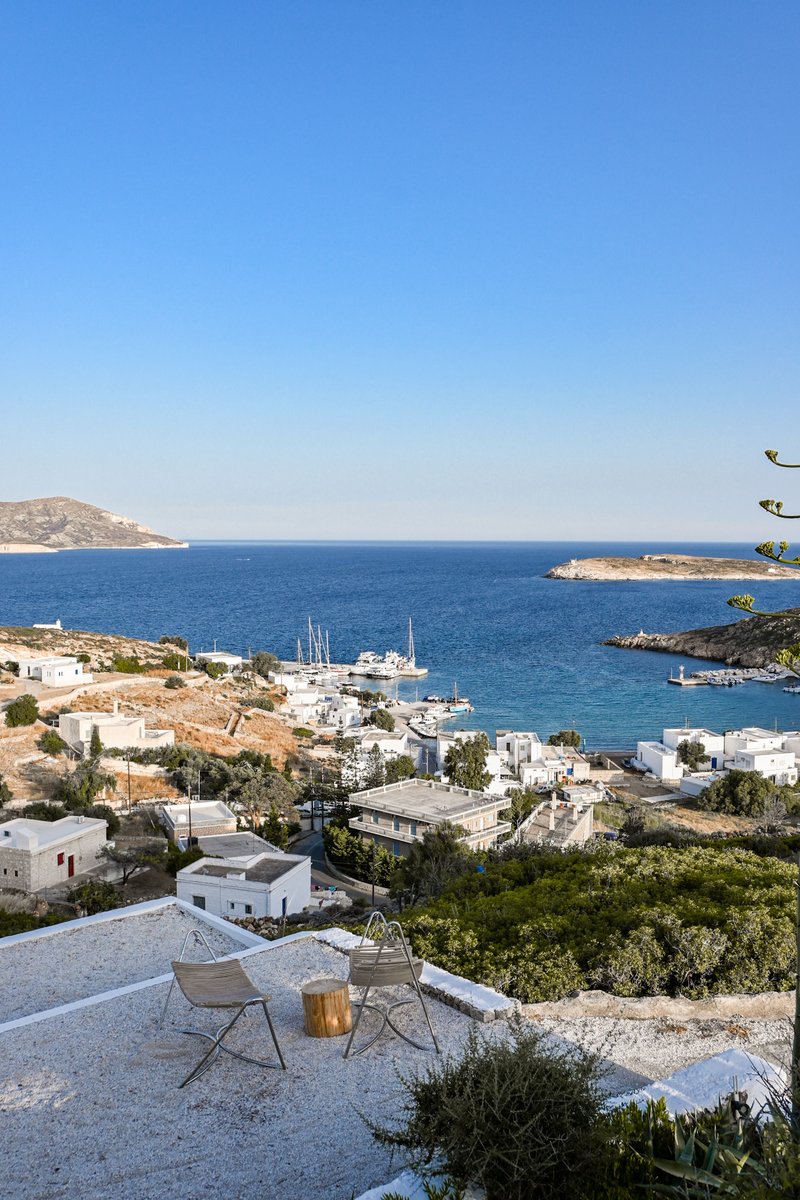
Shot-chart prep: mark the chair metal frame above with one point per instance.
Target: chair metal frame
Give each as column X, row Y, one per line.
column 222, row 1032
column 389, row 936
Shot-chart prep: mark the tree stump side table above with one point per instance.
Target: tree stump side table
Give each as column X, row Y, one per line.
column 326, row 1007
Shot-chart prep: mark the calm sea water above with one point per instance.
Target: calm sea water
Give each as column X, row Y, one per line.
column 525, row 649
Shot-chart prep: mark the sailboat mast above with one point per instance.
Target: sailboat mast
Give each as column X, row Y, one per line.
column 327, row 648
column 411, row 655
column 310, row 637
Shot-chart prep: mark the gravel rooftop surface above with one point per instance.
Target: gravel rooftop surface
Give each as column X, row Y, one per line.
column 91, row 1107
column 88, row 959
column 638, row 1051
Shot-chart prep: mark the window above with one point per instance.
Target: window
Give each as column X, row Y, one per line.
column 396, row 851
column 199, row 901
column 396, row 824
column 248, row 908
column 413, row 828
column 376, row 818
column 231, row 904
column 60, row 862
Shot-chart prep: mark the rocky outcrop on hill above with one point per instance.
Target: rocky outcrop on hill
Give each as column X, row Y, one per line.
column 59, row 523
column 752, row 642
column 670, row 566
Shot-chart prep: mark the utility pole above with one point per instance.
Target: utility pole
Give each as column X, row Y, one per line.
column 373, row 872
column 129, row 782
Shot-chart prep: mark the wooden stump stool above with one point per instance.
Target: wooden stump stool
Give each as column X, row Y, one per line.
column 326, row 1007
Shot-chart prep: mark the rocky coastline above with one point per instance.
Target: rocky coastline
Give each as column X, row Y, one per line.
column 752, row 642
column 675, row 567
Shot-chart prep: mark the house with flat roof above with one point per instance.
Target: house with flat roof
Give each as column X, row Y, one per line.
column 41, row 854
column 398, row 814
column 269, row 885
column 391, row 743
column 240, row 847
column 659, row 760
column 58, row 670
column 778, row 765
column 115, row 730
column 231, row 662
column 204, row 818
column 713, row 743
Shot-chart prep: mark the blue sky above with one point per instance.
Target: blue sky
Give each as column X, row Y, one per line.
column 442, row 269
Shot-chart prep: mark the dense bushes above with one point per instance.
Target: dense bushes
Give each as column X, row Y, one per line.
column 174, row 681
column 22, row 711
column 22, row 922
column 352, row 855
column 257, row 701
column 51, row 742
column 635, row 922
column 746, row 794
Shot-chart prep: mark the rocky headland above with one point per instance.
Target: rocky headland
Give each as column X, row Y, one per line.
column 59, row 523
column 752, row 642
column 669, row 566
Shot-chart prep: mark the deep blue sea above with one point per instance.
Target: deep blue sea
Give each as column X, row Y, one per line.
column 525, row 649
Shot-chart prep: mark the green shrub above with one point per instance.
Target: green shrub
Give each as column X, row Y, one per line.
column 11, row 666
column 21, row 922
column 94, row 896
column 22, row 711
column 51, row 743
column 173, row 662
column 259, row 702
column 6, row 795
column 104, row 813
column 128, row 664
column 174, row 681
column 381, row 719
column 40, row 810
column 302, row 732
column 83, row 657
column 170, row 640
column 693, row 921
column 514, row 1115
column 178, row 859
column 215, row 670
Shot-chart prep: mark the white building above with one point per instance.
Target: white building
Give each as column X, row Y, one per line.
column 41, row 854
column 752, row 738
column 390, row 743
column 271, row 885
column 398, row 814
column 205, row 818
column 518, row 748
column 342, row 712
column 778, row 765
column 502, row 777
column 306, row 704
column 54, row 671
column 714, row 744
column 231, row 662
column 115, row 730
column 557, row 764
column 660, row 760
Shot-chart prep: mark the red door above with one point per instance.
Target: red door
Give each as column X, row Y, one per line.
column 71, row 865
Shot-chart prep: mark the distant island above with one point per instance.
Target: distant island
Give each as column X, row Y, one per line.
column 59, row 523
column 752, row 642
column 669, row 566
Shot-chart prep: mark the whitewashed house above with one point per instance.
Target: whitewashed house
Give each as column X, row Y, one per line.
column 116, row 731
column 714, row 743
column 231, row 662
column 306, row 705
column 204, row 819
column 752, row 738
column 778, row 765
column 659, row 760
column 390, row 743
column 270, row 885
column 40, row 854
column 58, row 670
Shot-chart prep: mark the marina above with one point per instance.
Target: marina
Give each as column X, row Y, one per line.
column 732, row 676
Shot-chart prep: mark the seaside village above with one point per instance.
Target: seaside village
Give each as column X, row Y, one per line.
column 187, row 832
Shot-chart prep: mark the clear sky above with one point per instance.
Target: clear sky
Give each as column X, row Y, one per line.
column 413, row 269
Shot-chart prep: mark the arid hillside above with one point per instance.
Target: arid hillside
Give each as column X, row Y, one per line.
column 60, row 523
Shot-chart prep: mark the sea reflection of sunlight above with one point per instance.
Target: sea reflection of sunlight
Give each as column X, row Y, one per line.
column 35, row 1091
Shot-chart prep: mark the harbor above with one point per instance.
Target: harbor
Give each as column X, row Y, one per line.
column 732, row 676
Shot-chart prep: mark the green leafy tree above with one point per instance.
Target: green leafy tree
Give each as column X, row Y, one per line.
column 22, row 711
column 174, row 662
column 382, row 719
column 135, row 857
column 84, row 657
column 275, row 830
column 691, row 754
column 790, row 655
column 740, row 793
column 263, row 662
column 399, row 768
column 77, row 791
column 465, row 762
column 432, row 863
column 375, row 771
column 522, row 803
column 565, row 737
column 40, row 810
column 95, row 744
column 215, row 670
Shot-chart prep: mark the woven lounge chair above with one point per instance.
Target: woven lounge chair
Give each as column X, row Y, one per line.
column 221, row 985
column 386, row 962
